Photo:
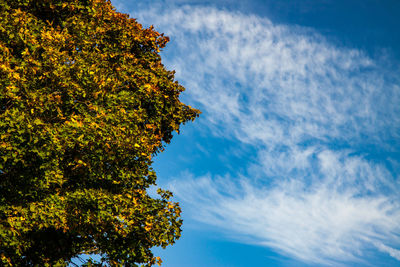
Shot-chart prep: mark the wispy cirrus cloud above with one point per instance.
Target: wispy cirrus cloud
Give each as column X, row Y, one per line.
column 323, row 120
column 330, row 214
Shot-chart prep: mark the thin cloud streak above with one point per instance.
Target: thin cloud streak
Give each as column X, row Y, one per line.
column 316, row 114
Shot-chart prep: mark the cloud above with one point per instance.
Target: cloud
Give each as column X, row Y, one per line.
column 319, row 225
column 331, row 213
column 322, row 118
column 252, row 75
column 395, row 253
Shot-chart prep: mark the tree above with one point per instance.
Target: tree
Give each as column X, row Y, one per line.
column 85, row 103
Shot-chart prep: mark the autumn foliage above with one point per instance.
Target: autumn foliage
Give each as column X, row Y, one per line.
column 84, row 105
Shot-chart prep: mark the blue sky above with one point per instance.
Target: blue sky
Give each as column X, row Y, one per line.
column 295, row 159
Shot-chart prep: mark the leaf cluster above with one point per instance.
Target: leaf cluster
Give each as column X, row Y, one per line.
column 85, row 103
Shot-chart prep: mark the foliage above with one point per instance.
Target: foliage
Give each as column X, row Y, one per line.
column 84, row 105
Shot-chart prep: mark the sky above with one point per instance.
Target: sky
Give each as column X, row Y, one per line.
column 295, row 159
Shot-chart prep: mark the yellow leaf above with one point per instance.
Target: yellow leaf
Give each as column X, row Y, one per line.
column 16, row 76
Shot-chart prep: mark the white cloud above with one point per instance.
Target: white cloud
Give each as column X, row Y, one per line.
column 315, row 113
column 288, row 75
column 395, row 253
column 323, row 220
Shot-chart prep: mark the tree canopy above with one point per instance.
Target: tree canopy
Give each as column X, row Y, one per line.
column 85, row 103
